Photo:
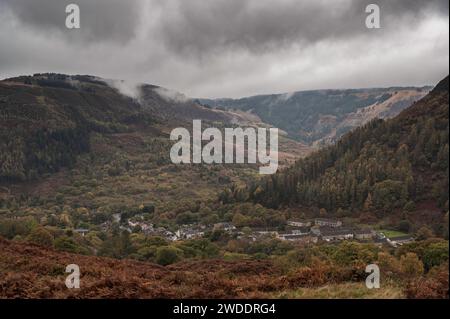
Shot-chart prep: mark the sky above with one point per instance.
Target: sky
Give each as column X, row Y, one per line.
column 230, row 48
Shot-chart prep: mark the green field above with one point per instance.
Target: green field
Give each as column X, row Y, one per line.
column 392, row 233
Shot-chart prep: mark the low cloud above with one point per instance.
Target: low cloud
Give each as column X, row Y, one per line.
column 127, row 88
column 171, row 96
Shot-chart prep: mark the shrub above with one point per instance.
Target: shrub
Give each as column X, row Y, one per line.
column 41, row 236
column 410, row 265
column 167, row 255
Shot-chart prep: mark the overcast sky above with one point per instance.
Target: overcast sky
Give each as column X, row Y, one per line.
column 230, row 48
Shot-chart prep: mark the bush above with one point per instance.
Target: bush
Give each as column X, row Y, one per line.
column 67, row 244
column 41, row 236
column 404, row 226
column 435, row 254
column 410, row 265
column 434, row 286
column 409, row 206
column 167, row 255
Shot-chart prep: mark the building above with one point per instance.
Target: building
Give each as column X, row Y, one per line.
column 298, row 223
column 145, row 227
column 190, row 232
column 334, row 234
column 301, row 231
column 193, row 234
column 224, row 226
column 265, row 232
column 162, row 232
column 304, row 238
column 364, row 234
column 398, row 241
column 327, row 222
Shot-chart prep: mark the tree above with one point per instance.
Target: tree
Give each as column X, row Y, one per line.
column 186, row 218
column 411, row 266
column 147, row 208
column 240, row 220
column 167, row 255
column 67, row 244
column 404, row 226
column 41, row 236
column 388, row 264
column 368, row 203
column 435, row 254
column 409, row 206
column 424, row 233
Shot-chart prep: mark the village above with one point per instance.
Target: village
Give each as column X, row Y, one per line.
column 296, row 231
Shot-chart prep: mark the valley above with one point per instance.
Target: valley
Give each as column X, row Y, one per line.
column 86, row 178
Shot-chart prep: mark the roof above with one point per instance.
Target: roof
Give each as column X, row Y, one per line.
column 402, row 238
column 298, row 220
column 363, row 231
column 263, row 229
column 294, row 236
column 327, row 220
column 335, row 232
column 303, row 229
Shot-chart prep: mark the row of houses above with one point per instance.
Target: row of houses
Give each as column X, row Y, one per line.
column 320, row 229
column 317, row 222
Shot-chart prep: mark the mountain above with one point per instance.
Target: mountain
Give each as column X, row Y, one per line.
column 47, row 120
column 387, row 168
column 322, row 117
column 102, row 147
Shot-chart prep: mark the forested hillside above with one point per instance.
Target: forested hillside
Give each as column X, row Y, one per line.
column 383, row 167
column 46, row 119
column 321, row 117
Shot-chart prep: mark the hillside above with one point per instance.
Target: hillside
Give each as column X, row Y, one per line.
column 30, row 271
column 46, row 120
column 386, row 168
column 323, row 116
column 78, row 151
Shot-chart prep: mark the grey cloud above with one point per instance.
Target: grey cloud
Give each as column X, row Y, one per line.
column 199, row 27
column 102, row 20
column 230, row 48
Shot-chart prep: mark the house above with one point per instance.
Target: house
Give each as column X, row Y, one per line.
column 224, row 226
column 162, row 232
column 315, row 230
column 105, row 226
column 399, row 241
column 301, row 231
column 327, row 222
column 364, row 234
column 170, row 236
column 190, row 232
column 145, row 227
column 193, row 234
column 298, row 223
column 303, row 238
column 265, row 232
column 333, row 234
